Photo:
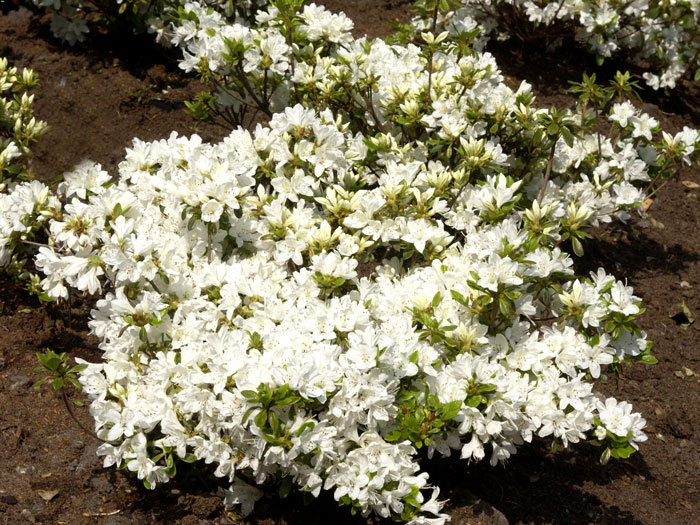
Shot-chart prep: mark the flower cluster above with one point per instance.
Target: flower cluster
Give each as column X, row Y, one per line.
column 439, row 99
column 19, row 128
column 379, row 269
column 24, row 204
column 316, row 327
column 665, row 34
column 69, row 20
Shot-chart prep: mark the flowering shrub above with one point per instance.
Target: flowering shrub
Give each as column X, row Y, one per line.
column 252, row 325
column 19, row 128
column 377, row 270
column 70, row 17
column 436, row 96
column 665, row 35
column 21, row 202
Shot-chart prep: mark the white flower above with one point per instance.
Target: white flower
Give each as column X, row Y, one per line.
column 71, row 30
column 498, row 270
column 622, row 299
column 619, row 419
column 212, row 210
column 243, row 494
column 644, row 126
column 333, row 264
column 621, row 112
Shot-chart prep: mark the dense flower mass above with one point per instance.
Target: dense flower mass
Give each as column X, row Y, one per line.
column 21, row 202
column 18, row 125
column 266, row 340
column 661, row 36
column 665, row 34
column 69, row 20
column 380, row 268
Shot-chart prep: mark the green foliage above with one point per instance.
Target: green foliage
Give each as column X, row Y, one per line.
column 19, row 128
column 58, row 369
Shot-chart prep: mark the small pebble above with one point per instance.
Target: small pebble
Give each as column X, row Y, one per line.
column 27, row 515
column 657, row 224
column 101, row 485
column 19, row 381
column 119, row 519
column 89, row 460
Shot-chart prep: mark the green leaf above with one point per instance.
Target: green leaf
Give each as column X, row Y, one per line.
column 40, row 382
column 285, row 487
column 77, row 368
column 247, row 414
column 451, row 409
column 289, row 400
column 272, row 440
column 567, row 136
column 577, row 246
column 433, row 402
column 622, row 452
column 436, row 300
column 648, row 359
column 538, row 136
column 274, row 422
column 505, row 305
column 394, row 435
column 412, row 501
column 486, row 387
column 261, row 419
column 458, row 297
column 309, row 424
column 474, row 401
column 73, row 381
column 44, row 358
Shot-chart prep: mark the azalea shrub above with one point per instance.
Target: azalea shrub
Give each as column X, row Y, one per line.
column 71, row 19
column 21, row 218
column 379, row 272
column 663, row 37
column 316, row 330
column 19, row 128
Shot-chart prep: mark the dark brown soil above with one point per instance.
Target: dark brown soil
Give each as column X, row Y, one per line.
column 97, row 96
